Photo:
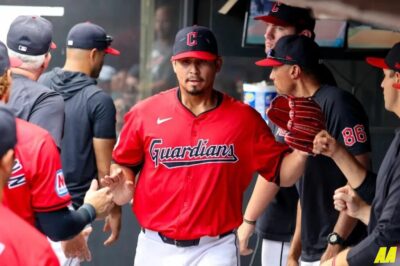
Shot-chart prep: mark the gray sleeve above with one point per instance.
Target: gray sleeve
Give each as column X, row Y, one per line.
column 48, row 113
column 386, row 233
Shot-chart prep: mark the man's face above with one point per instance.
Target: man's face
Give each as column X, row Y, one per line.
column 390, row 94
column 274, row 32
column 162, row 23
column 196, row 76
column 283, row 82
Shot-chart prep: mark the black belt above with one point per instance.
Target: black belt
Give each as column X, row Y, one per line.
column 185, row 243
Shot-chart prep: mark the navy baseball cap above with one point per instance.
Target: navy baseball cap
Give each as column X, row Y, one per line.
column 8, row 130
column 391, row 61
column 88, row 36
column 293, row 50
column 30, row 35
column 197, row 42
column 284, row 15
column 5, row 61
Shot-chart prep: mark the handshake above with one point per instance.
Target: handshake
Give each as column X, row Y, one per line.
column 300, row 117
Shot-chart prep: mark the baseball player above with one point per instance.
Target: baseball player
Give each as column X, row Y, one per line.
column 345, row 120
column 194, row 150
column 86, row 153
column 36, row 189
column 382, row 217
column 17, row 236
column 277, row 223
column 30, row 40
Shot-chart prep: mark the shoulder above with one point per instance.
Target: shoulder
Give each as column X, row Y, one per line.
column 239, row 108
column 330, row 96
column 159, row 100
column 31, row 134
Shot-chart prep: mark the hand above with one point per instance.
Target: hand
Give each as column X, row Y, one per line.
column 291, row 261
column 121, row 188
column 244, row 232
column 113, row 223
column 325, row 144
column 346, row 199
column 77, row 247
column 100, row 199
column 331, row 251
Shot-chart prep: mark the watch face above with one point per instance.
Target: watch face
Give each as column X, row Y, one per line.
column 333, row 238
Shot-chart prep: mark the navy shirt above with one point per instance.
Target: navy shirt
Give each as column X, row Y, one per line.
column 384, row 222
column 36, row 103
column 347, row 122
column 89, row 113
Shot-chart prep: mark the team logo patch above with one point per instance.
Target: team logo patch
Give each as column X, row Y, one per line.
column 17, row 177
column 184, row 156
column 61, row 187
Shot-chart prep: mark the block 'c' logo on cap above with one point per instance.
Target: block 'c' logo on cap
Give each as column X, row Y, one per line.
column 275, row 7
column 191, row 38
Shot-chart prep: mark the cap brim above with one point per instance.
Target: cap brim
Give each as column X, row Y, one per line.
column 377, row 62
column 195, row 54
column 53, row 45
column 272, row 20
column 269, row 62
column 15, row 62
column 112, row 51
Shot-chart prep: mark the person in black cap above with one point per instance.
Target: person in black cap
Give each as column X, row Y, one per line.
column 294, row 61
column 30, row 40
column 382, row 216
column 281, row 20
column 16, row 235
column 190, row 185
column 36, row 189
column 89, row 129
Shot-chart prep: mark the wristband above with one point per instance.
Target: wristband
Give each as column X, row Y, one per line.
column 249, row 222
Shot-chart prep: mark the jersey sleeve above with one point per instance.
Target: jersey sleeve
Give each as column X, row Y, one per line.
column 129, row 149
column 49, row 190
column 103, row 115
column 267, row 153
column 349, row 124
column 48, row 113
column 386, row 232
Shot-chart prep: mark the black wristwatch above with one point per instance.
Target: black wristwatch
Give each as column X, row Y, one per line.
column 335, row 239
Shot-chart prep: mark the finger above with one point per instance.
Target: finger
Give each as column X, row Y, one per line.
column 113, row 237
column 344, row 189
column 106, row 226
column 94, row 185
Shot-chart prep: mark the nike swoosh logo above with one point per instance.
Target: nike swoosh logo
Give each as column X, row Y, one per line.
column 160, row 121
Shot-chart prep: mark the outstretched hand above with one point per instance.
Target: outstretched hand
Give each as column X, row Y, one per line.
column 120, row 186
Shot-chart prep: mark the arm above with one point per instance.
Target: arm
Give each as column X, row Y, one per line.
column 63, row 223
column 340, row 259
column 103, row 149
column 345, row 223
column 292, row 167
column 295, row 246
column 263, row 193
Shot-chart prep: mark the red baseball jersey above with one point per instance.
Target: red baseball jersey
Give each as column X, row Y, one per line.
column 37, row 182
column 194, row 168
column 21, row 244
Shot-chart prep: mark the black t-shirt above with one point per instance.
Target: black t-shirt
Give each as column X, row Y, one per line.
column 347, row 122
column 89, row 113
column 384, row 223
